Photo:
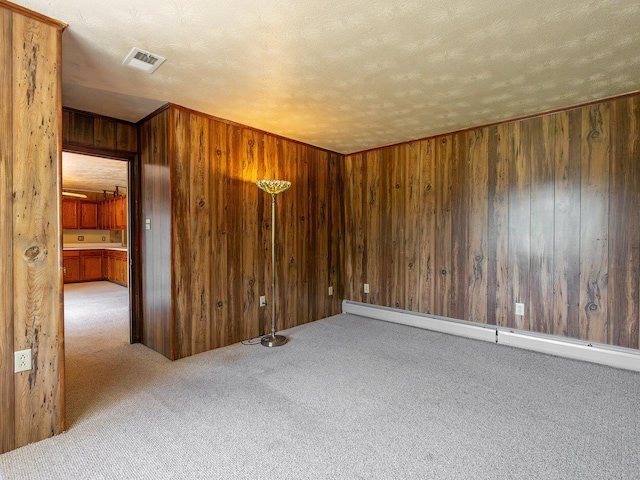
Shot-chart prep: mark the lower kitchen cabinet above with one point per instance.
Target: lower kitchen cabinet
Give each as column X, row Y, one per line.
column 92, row 265
column 71, row 266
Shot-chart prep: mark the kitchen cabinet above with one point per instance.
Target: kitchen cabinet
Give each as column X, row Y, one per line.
column 113, row 214
column 70, row 213
column 95, row 264
column 71, row 266
column 121, row 212
column 117, row 267
column 91, row 265
column 79, row 214
column 88, row 215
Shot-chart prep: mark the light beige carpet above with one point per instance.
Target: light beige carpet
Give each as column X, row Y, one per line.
column 347, row 398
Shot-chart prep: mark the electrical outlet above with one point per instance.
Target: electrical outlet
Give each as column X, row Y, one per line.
column 263, row 301
column 81, row 238
column 330, row 291
column 104, row 239
column 520, row 309
column 22, row 361
column 366, row 288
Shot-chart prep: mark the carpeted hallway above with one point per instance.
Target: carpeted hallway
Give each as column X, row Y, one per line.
column 347, row 398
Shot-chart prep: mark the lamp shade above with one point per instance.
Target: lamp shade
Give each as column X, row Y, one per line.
column 273, row 187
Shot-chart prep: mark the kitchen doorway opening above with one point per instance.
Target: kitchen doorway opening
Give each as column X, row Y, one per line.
column 98, row 210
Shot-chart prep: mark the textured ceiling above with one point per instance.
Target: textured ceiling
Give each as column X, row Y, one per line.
column 93, row 174
column 349, row 75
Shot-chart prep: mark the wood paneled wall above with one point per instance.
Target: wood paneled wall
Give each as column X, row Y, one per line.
column 31, row 402
column 91, row 133
column 156, row 241
column 220, row 232
column 543, row 211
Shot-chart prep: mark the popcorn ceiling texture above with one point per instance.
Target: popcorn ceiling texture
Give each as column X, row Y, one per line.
column 353, row 75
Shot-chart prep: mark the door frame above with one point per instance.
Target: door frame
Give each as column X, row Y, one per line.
column 134, row 206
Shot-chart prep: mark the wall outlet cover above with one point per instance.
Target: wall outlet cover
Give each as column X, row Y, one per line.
column 330, row 291
column 519, row 309
column 263, row 301
column 366, row 288
column 22, row 361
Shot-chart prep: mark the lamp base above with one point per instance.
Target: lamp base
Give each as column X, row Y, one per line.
column 273, row 340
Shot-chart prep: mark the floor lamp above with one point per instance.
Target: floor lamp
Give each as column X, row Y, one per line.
column 273, row 187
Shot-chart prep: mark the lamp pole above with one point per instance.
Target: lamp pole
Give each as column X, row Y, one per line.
column 273, row 187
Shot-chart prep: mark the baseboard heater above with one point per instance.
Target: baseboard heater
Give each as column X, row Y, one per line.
column 618, row 357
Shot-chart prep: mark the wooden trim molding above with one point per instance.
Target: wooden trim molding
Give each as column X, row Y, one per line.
column 34, row 15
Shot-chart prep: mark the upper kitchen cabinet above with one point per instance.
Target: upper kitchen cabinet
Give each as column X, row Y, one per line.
column 70, row 213
column 79, row 214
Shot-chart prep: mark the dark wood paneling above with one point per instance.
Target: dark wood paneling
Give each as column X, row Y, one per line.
column 427, row 254
column 86, row 132
column 475, row 275
column 566, row 257
column 443, row 261
column 543, row 211
column 594, row 225
column 156, row 242
column 37, row 257
column 542, row 155
column 624, row 224
column 7, row 398
column 220, row 248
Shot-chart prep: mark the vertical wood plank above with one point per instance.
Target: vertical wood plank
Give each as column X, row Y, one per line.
column 36, row 228
column 349, row 207
column 428, row 183
column 566, row 258
column 251, row 157
column 220, row 195
column 543, row 138
column 387, row 187
column 477, row 219
column 104, row 132
column 412, row 217
column 7, row 399
column 182, row 241
column 156, row 242
column 198, row 286
column 234, row 324
column 624, row 224
column 372, row 211
column 398, row 218
column 443, row 226
column 305, row 179
column 287, row 222
column 502, row 153
column 519, row 225
column 338, row 262
column 459, row 226
column 594, row 228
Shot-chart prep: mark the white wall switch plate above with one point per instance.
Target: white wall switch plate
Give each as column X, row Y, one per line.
column 519, row 308
column 22, row 361
column 263, row 301
column 366, row 288
column 330, row 291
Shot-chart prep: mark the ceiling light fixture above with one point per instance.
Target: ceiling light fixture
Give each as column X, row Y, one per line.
column 143, row 60
column 75, row 195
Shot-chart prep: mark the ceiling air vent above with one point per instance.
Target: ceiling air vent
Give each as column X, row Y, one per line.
column 142, row 60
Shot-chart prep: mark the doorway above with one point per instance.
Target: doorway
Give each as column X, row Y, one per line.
column 97, row 258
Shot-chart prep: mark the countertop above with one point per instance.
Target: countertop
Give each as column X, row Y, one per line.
column 94, row 246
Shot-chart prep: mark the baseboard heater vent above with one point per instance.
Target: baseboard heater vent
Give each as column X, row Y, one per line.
column 618, row 357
